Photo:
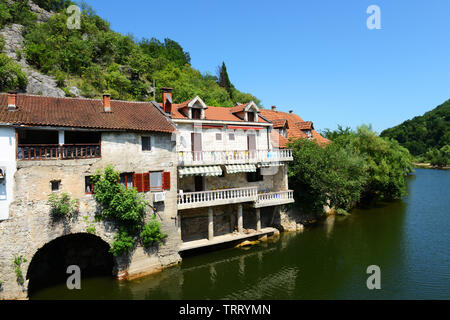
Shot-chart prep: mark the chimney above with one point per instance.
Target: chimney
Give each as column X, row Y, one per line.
column 12, row 100
column 274, row 108
column 107, row 102
column 167, row 99
column 291, row 111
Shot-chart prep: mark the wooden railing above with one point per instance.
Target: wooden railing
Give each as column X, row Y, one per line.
column 216, row 197
column 233, row 157
column 55, row 151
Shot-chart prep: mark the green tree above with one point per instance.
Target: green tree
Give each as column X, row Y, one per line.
column 224, row 80
column 11, row 75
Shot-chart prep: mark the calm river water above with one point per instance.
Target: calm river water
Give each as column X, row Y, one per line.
column 409, row 240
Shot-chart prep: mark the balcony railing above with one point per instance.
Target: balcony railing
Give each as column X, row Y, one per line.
column 187, row 158
column 58, row 152
column 274, row 198
column 210, row 198
column 216, row 197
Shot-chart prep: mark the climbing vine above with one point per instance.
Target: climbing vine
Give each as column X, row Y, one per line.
column 126, row 207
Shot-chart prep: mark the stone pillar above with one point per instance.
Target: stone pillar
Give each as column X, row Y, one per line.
column 258, row 219
column 240, row 219
column 210, row 224
column 179, row 224
column 61, row 137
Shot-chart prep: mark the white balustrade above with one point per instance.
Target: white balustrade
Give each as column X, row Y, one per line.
column 216, row 197
column 233, row 157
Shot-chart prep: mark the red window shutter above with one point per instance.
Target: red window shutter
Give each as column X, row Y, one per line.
column 146, row 181
column 138, row 182
column 166, row 180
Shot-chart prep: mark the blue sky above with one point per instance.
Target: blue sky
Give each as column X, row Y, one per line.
column 317, row 58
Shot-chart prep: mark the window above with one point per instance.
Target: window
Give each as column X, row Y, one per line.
column 146, row 144
column 255, row 176
column 151, row 181
column 88, row 185
column 231, row 137
column 218, row 136
column 56, row 184
column 156, row 181
column 251, row 116
column 126, row 179
column 196, row 113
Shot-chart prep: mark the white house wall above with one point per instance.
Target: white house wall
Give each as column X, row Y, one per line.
column 210, row 143
column 8, row 161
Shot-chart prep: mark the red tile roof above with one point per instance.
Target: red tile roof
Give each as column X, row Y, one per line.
column 305, row 125
column 84, row 113
column 280, row 123
column 213, row 113
column 294, row 131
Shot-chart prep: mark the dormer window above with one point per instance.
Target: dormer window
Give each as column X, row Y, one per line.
column 251, row 116
column 196, row 114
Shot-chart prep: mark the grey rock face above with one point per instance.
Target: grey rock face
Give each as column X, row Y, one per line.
column 38, row 83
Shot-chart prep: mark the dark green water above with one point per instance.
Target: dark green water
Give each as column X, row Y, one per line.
column 409, row 240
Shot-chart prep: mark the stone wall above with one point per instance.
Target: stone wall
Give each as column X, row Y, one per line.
column 30, row 225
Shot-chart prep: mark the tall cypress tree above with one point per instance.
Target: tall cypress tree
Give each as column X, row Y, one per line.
column 224, row 80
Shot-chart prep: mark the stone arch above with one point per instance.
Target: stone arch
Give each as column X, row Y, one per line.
column 49, row 264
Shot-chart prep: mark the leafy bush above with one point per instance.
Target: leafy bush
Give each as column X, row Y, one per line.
column 18, row 260
column 151, row 233
column 62, row 205
column 11, row 75
column 122, row 243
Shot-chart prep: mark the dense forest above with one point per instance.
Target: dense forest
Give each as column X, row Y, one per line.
column 96, row 59
column 427, row 137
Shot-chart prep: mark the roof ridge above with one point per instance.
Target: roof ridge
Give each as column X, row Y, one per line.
column 77, row 98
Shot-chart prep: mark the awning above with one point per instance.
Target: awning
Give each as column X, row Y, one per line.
column 200, row 171
column 237, row 168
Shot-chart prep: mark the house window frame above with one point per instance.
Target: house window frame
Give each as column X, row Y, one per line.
column 126, row 175
column 91, row 184
column 160, row 188
column 58, row 185
column 231, row 136
column 149, row 143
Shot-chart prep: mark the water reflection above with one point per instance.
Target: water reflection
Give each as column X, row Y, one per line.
column 408, row 239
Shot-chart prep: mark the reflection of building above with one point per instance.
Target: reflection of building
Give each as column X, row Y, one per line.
column 228, row 168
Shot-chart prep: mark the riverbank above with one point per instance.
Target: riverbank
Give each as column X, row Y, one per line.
column 429, row 166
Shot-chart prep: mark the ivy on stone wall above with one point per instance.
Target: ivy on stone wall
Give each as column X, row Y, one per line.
column 126, row 208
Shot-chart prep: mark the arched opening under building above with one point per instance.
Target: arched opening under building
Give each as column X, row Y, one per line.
column 49, row 265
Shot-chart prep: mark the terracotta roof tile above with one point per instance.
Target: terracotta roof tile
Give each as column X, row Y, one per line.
column 84, row 113
column 294, row 132
column 213, row 113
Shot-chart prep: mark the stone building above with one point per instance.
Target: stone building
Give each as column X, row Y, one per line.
column 232, row 178
column 53, row 145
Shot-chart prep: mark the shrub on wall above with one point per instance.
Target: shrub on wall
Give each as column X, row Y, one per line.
column 62, row 205
column 127, row 208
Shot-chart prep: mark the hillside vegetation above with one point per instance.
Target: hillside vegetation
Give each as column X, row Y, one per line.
column 96, row 59
column 427, row 137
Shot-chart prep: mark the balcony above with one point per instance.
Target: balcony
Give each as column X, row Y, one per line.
column 200, row 199
column 211, row 198
column 58, row 152
column 274, row 198
column 194, row 158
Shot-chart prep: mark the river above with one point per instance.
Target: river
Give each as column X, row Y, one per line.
column 408, row 239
